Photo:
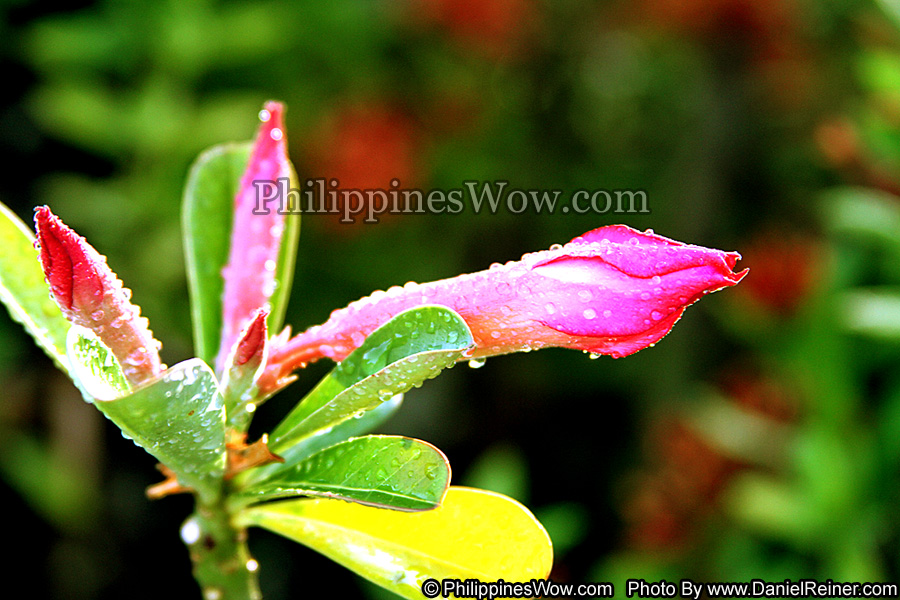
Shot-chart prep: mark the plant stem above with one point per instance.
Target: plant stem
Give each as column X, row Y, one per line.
column 222, row 563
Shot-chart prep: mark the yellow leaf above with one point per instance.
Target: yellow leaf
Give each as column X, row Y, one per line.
column 473, row 534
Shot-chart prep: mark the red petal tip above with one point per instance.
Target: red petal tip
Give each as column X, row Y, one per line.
column 253, row 341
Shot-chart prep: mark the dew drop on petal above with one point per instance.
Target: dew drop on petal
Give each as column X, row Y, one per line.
column 264, row 116
column 590, row 314
column 276, row 134
column 476, row 363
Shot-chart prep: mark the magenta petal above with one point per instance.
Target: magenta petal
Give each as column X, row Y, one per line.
column 256, row 236
column 90, row 295
column 612, row 291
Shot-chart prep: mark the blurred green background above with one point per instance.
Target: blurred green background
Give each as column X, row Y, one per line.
column 760, row 439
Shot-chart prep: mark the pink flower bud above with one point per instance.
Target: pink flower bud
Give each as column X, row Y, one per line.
column 612, row 291
column 90, row 295
column 251, row 347
column 256, row 234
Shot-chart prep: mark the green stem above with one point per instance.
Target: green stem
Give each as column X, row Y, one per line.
column 222, row 563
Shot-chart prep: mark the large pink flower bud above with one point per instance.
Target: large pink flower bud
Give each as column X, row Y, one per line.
column 613, row 290
column 90, row 295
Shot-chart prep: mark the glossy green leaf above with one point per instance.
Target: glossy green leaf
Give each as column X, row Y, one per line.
column 208, row 213
column 96, row 372
column 24, row 291
column 473, row 534
column 357, row 426
column 179, row 418
column 379, row 470
column 410, row 348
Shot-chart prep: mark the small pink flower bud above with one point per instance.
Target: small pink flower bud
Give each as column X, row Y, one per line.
column 90, row 295
column 251, row 347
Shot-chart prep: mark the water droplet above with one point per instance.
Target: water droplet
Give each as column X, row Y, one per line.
column 190, row 531
column 556, row 247
column 585, row 295
column 590, row 313
column 212, row 593
column 276, row 134
column 252, row 566
column 594, row 355
column 607, row 313
column 656, row 315
column 476, row 363
column 645, row 295
column 270, row 265
column 264, row 116
column 550, row 308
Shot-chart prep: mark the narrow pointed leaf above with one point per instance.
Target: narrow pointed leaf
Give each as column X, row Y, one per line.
column 473, row 534
column 207, row 219
column 208, row 213
column 95, row 370
column 308, row 446
column 25, row 292
column 412, row 347
column 179, row 418
column 379, row 470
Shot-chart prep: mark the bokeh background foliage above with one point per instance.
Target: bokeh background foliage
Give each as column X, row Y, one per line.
column 758, row 440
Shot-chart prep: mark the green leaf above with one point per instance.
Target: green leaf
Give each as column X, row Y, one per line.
column 95, row 371
column 378, row 470
column 410, row 348
column 873, row 312
column 473, row 534
column 208, row 214
column 24, row 291
column 861, row 212
column 357, row 426
column 179, row 418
